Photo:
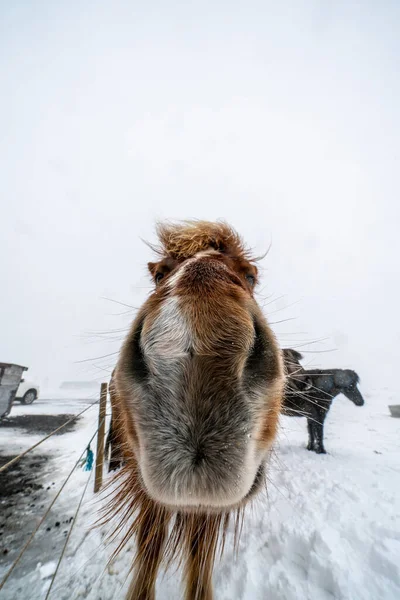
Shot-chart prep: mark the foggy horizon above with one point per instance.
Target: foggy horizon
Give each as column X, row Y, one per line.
column 280, row 119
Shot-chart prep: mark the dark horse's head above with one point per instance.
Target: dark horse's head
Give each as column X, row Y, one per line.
column 345, row 381
column 333, row 382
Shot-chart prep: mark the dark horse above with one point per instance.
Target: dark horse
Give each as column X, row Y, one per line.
column 309, row 393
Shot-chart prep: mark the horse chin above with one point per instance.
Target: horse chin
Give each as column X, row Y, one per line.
column 258, row 483
column 215, row 507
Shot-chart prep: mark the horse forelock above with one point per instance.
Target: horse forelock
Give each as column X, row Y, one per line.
column 356, row 377
column 185, row 239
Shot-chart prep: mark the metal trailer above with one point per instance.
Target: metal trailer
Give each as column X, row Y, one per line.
column 10, row 378
column 395, row 410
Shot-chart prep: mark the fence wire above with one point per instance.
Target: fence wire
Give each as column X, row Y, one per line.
column 68, row 536
column 17, row 458
column 28, row 542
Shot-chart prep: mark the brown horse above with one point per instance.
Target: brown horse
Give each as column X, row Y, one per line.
column 196, row 396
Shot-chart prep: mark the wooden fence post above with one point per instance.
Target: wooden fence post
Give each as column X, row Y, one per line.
column 98, row 479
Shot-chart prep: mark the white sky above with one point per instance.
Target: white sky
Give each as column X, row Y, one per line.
column 281, row 117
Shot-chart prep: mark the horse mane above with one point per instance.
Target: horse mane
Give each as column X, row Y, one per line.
column 184, row 239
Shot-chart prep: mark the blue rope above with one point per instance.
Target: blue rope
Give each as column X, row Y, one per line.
column 88, row 461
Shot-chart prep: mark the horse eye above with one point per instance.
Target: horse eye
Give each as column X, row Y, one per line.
column 158, row 277
column 251, row 279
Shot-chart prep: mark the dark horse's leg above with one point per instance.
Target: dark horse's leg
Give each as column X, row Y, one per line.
column 310, row 428
column 319, row 433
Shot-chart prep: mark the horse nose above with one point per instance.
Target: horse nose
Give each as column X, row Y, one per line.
column 360, row 401
column 207, row 272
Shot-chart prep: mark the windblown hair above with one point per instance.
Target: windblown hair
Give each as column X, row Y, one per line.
column 196, row 392
column 181, row 242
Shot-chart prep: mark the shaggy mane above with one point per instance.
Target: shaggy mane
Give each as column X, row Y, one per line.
column 184, row 239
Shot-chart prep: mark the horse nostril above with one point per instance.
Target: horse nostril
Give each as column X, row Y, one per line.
column 198, row 457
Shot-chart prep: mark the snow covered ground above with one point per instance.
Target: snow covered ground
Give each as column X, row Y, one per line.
column 329, row 527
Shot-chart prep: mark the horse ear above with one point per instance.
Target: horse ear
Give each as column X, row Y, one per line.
column 152, row 268
column 291, row 354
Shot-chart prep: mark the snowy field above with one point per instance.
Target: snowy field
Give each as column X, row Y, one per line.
column 329, row 526
column 279, row 118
